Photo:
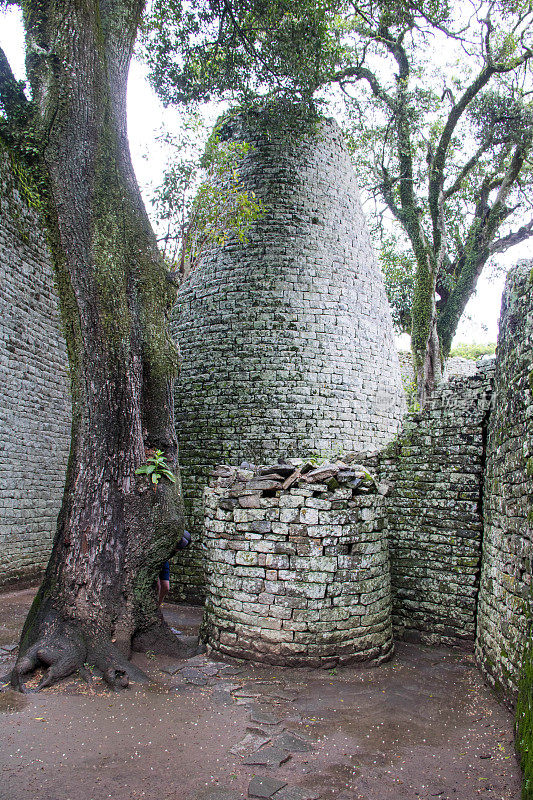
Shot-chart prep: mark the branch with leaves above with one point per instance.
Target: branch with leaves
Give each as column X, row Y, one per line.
column 201, row 200
column 454, row 174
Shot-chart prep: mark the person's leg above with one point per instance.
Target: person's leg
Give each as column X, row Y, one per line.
column 163, row 588
column 163, row 582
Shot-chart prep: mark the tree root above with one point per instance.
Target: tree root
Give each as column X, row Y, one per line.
column 63, row 647
column 159, row 638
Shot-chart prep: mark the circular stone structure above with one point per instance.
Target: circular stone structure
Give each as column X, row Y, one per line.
column 298, row 578
column 286, row 339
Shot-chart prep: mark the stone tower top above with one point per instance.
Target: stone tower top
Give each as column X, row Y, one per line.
column 286, row 339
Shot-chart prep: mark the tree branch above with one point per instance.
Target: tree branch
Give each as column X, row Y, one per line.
column 477, row 249
column 363, row 73
column 506, row 242
column 437, row 172
column 468, row 167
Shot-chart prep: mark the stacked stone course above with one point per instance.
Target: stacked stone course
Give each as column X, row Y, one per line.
column 434, row 511
column 286, row 339
column 297, row 576
column 34, row 401
column 505, row 600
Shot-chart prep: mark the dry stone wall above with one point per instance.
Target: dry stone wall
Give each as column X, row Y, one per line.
column 455, row 367
column 286, row 339
column 297, row 576
column 506, row 583
column 34, row 402
column 435, row 468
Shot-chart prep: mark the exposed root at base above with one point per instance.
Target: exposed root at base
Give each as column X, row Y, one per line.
column 160, row 639
column 63, row 648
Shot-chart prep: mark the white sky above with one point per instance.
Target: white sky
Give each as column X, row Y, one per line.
column 146, row 116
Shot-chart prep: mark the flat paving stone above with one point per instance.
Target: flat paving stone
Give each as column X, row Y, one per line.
column 250, row 743
column 192, row 672
column 229, row 669
column 295, row 793
column 197, row 680
column 221, row 697
column 194, row 661
column 296, row 744
column 219, row 794
column 263, row 786
column 210, row 669
column 268, row 757
column 226, row 686
column 172, row 669
column 262, row 717
column 246, row 692
column 283, row 694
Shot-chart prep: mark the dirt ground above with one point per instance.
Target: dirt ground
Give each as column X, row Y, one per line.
column 423, row 726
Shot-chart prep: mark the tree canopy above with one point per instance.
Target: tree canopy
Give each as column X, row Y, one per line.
column 445, row 144
column 437, row 109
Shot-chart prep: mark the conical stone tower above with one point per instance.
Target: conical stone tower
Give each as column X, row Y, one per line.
column 286, row 339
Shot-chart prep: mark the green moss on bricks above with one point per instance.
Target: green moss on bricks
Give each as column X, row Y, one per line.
column 524, row 720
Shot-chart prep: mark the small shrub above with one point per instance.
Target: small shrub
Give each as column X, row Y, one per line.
column 473, row 351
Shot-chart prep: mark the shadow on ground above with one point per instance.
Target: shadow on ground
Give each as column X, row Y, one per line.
column 423, row 726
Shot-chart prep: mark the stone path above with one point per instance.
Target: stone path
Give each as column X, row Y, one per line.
column 267, row 743
column 421, row 727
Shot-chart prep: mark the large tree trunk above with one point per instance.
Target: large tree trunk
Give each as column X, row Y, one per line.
column 424, row 337
column 114, row 530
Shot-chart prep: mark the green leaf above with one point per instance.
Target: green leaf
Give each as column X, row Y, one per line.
column 142, row 470
column 155, row 478
column 169, row 475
